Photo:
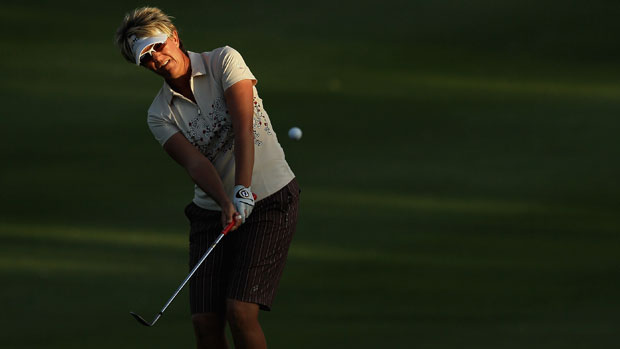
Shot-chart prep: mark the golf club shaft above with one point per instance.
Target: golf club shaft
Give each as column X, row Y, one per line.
column 224, row 232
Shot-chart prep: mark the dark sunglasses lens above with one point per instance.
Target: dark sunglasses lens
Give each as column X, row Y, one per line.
column 146, row 58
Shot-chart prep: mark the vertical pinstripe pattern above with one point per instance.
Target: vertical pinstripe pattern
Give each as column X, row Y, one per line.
column 248, row 263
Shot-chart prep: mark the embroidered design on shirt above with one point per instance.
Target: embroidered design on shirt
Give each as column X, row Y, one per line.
column 212, row 133
column 260, row 122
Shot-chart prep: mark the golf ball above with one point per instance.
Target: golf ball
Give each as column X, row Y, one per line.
column 294, row 133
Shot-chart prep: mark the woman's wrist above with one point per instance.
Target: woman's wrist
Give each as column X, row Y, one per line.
column 225, row 203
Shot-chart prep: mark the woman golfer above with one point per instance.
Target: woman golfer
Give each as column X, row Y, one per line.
column 209, row 118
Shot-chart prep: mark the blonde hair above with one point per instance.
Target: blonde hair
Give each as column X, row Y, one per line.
column 142, row 22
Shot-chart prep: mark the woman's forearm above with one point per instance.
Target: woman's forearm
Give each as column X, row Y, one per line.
column 244, row 158
column 239, row 99
column 199, row 168
column 204, row 174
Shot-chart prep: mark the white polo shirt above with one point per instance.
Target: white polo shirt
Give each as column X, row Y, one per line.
column 208, row 126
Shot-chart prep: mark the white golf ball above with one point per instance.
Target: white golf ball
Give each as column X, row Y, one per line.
column 294, row 133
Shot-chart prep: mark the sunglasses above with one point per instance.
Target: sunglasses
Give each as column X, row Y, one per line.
column 148, row 55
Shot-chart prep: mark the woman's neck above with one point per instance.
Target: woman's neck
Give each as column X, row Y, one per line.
column 182, row 84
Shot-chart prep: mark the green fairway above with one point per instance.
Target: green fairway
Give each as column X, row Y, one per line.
column 458, row 168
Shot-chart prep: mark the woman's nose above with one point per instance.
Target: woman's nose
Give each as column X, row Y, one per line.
column 158, row 59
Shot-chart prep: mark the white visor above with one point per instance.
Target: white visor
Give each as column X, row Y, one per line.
column 140, row 43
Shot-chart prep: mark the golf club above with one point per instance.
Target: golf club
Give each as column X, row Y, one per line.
column 146, row 323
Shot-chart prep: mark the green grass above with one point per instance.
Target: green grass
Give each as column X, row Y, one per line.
column 459, row 173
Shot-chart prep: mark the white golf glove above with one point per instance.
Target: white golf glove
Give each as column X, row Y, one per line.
column 243, row 200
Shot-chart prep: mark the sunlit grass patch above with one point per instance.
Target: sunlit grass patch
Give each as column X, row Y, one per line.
column 61, row 264
column 370, row 200
column 93, row 235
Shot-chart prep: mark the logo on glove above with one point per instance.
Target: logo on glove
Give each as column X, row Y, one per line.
column 244, row 194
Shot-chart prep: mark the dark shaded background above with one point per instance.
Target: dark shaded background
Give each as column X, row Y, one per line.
column 459, row 172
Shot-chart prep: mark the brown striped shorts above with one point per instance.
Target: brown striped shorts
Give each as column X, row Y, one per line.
column 248, row 263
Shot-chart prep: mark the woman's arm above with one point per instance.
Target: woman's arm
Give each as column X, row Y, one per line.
column 239, row 100
column 202, row 172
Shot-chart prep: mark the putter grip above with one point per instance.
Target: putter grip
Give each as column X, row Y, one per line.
column 228, row 227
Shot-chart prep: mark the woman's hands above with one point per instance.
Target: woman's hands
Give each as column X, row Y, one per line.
column 243, row 200
column 228, row 214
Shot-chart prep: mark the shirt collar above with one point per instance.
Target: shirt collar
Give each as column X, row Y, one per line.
column 198, row 69
column 198, row 64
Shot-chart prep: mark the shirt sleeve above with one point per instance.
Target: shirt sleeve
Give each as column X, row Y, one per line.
column 161, row 128
column 232, row 67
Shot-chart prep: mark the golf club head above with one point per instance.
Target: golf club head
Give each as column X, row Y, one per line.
column 141, row 320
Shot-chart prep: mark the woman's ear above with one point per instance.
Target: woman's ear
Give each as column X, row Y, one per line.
column 175, row 37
